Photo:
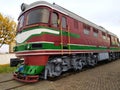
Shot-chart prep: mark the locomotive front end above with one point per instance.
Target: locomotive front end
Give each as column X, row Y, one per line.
column 32, row 25
column 26, row 72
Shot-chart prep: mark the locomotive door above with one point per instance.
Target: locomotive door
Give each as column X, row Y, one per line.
column 56, row 25
column 60, row 23
column 65, row 35
column 64, row 32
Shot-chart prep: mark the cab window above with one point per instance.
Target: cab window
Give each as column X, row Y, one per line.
column 54, row 19
column 38, row 15
column 21, row 22
column 64, row 22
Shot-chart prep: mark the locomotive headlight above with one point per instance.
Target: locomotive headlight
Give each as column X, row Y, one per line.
column 23, row 6
column 28, row 46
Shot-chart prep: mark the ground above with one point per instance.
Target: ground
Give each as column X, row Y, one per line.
column 102, row 77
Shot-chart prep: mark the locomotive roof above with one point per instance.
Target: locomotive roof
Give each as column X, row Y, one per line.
column 66, row 12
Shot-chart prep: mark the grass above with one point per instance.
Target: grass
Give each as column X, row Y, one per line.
column 6, row 68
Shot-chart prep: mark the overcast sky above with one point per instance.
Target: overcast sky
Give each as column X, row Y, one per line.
column 105, row 13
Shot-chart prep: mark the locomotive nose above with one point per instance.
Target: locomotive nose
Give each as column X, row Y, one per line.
column 26, row 73
column 24, row 78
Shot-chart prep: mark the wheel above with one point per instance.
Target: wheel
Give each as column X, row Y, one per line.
column 92, row 61
column 52, row 70
column 57, row 70
column 78, row 65
column 110, row 59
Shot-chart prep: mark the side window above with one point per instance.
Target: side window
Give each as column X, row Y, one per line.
column 116, row 41
column 95, row 32
column 86, row 29
column 64, row 22
column 108, row 37
column 112, row 39
column 103, row 35
column 54, row 19
column 75, row 24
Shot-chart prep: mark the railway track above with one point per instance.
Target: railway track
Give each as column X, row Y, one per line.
column 6, row 81
column 11, row 84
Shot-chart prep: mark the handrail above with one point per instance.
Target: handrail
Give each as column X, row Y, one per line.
column 69, row 40
column 61, row 38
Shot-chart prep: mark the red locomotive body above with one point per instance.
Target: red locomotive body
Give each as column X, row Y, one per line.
column 52, row 40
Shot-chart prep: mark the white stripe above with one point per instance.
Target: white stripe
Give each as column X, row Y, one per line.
column 49, row 53
column 52, row 50
column 82, row 45
column 53, row 53
column 35, row 42
column 42, row 42
column 43, row 50
column 21, row 37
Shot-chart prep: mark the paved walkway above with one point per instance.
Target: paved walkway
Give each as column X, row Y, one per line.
column 103, row 77
column 5, row 76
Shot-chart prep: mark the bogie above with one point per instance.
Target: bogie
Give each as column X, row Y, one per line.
column 58, row 64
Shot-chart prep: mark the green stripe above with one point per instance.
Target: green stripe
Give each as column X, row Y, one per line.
column 51, row 46
column 75, row 47
column 31, row 70
column 114, row 48
column 64, row 33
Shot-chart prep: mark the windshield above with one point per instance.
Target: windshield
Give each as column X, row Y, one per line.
column 21, row 22
column 38, row 15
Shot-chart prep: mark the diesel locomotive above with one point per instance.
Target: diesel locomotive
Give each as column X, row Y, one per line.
column 51, row 40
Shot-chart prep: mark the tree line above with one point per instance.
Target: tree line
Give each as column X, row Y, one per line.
column 7, row 30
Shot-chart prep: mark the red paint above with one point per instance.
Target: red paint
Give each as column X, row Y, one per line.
column 36, row 60
column 27, row 79
column 84, row 39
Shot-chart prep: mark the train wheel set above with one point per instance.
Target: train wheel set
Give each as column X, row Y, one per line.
column 58, row 64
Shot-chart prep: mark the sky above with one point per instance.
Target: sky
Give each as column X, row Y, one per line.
column 105, row 13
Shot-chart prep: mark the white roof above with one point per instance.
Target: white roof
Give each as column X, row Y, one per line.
column 66, row 12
